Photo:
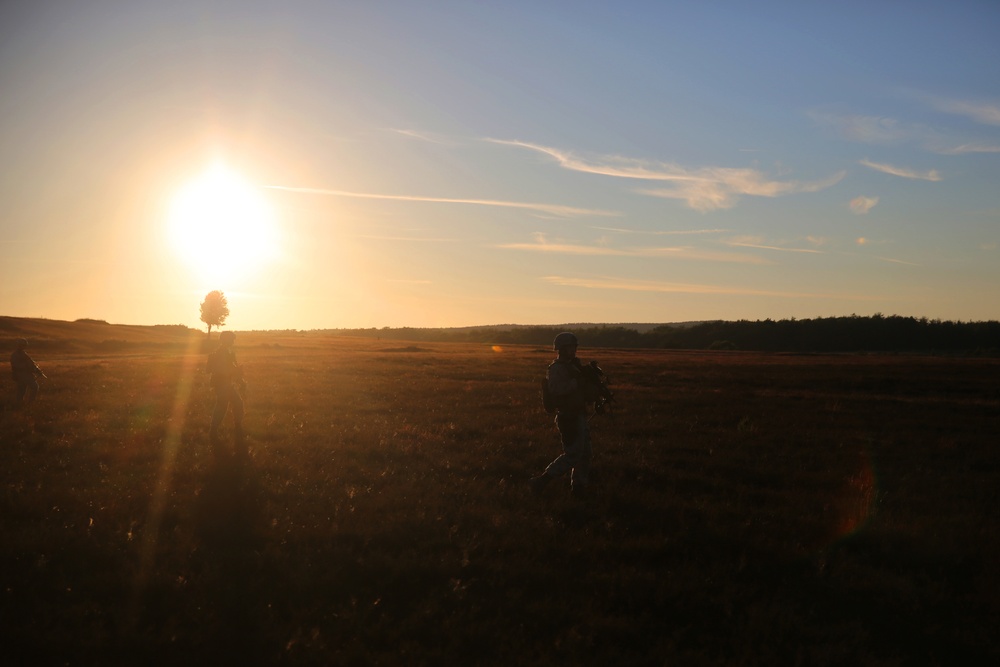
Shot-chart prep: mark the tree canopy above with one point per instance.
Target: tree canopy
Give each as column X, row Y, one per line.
column 214, row 310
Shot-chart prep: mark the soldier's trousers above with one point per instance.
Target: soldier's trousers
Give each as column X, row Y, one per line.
column 576, row 454
column 27, row 388
column 227, row 397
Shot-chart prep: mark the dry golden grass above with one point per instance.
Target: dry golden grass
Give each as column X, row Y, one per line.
column 747, row 509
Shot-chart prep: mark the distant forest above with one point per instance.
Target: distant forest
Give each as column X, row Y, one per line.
column 876, row 333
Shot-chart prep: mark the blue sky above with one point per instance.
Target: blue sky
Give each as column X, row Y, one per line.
column 458, row 163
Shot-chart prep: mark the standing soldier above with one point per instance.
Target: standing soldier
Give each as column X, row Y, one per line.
column 227, row 380
column 24, row 370
column 570, row 393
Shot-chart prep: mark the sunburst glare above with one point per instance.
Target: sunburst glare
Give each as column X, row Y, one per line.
column 222, row 226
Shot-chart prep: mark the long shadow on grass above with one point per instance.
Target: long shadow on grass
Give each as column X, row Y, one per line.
column 229, row 527
column 228, row 511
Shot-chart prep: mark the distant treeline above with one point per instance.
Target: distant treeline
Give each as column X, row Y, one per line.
column 876, row 333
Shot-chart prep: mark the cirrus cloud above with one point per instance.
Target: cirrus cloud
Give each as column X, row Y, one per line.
column 543, row 245
column 882, row 130
column 557, row 210
column 866, row 129
column 861, row 205
column 987, row 113
column 611, row 283
column 702, row 189
column 902, row 172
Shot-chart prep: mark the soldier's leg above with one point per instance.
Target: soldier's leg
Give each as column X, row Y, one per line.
column 239, row 438
column 32, row 390
column 218, row 414
column 568, row 426
column 19, row 390
column 236, row 402
column 581, row 468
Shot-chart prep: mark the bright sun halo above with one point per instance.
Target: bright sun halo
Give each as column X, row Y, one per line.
column 222, row 226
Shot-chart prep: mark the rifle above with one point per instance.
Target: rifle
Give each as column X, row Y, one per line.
column 598, row 379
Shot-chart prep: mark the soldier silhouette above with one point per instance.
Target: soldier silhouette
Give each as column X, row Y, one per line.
column 570, row 393
column 24, row 370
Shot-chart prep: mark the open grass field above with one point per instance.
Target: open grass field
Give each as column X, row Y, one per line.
column 747, row 509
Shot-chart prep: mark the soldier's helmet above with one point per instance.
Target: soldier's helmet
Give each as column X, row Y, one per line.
column 227, row 337
column 563, row 340
column 22, row 343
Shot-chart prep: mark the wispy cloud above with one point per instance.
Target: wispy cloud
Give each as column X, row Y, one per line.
column 970, row 148
column 549, row 209
column 987, row 113
column 881, row 130
column 865, row 241
column 867, row 129
column 861, row 205
column 666, row 252
column 619, row 167
column 703, row 189
column 605, row 283
column 756, row 242
column 902, row 172
column 566, row 249
column 376, row 237
column 678, row 232
column 760, row 246
column 421, row 136
column 895, row 261
column 719, row 188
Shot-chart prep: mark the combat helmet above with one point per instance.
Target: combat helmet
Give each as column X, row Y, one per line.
column 564, row 339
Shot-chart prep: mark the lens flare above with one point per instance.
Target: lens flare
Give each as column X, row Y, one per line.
column 859, row 499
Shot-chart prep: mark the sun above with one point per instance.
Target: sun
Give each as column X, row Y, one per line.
column 222, row 226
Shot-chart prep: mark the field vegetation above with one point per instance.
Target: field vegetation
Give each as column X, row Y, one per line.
column 747, row 509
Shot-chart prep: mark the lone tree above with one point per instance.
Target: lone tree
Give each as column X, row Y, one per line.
column 214, row 310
